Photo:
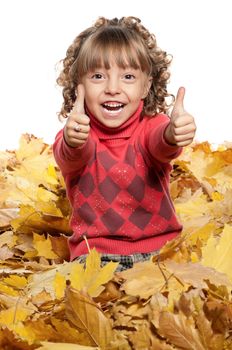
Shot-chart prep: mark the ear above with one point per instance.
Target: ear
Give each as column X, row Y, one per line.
column 147, row 86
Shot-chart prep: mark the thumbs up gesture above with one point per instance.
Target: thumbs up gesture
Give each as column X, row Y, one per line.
column 77, row 127
column 181, row 129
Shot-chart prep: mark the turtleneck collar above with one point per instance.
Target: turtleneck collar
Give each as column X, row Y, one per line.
column 123, row 131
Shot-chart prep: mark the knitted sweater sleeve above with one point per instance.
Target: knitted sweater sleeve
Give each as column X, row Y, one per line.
column 157, row 146
column 69, row 159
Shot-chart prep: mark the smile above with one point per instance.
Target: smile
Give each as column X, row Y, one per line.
column 113, row 106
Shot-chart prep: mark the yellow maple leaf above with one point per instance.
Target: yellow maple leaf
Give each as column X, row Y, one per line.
column 202, row 233
column 7, row 290
column 16, row 281
column 217, row 252
column 44, row 195
column 59, row 285
column 36, row 158
column 209, row 163
column 44, row 280
column 92, row 278
column 196, row 205
column 77, row 276
column 48, row 208
column 216, row 196
column 29, row 146
column 43, row 246
column 33, row 217
column 24, row 332
column 50, row 175
column 15, row 314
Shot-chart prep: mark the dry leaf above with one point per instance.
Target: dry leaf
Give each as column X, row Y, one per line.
column 217, row 252
column 62, row 346
column 88, row 317
column 196, row 275
column 180, row 331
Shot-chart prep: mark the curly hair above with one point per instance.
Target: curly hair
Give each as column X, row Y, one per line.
column 131, row 44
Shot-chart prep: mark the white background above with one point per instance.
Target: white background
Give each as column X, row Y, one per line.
column 34, row 36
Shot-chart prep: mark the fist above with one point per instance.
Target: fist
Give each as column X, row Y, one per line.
column 76, row 130
column 181, row 129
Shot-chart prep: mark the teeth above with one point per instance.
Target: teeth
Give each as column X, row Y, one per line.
column 113, row 105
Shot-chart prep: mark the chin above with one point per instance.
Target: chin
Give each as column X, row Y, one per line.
column 113, row 125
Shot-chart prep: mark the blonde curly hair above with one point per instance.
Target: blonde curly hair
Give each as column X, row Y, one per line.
column 131, row 44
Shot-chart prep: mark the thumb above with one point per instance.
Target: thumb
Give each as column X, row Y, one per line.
column 79, row 105
column 178, row 108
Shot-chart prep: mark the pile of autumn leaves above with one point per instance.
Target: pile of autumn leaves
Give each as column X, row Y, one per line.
column 180, row 300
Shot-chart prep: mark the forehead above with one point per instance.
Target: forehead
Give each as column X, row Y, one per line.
column 109, row 56
column 112, row 47
column 112, row 58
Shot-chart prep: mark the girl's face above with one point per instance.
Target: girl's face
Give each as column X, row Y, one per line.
column 113, row 95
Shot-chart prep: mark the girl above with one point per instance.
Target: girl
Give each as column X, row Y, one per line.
column 116, row 147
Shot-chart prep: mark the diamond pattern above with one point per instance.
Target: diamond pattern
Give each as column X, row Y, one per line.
column 112, row 220
column 137, row 188
column 153, row 180
column 86, row 184
column 142, row 151
column 74, row 181
column 93, row 158
column 166, row 209
column 106, row 160
column 130, row 156
column 87, row 213
column 140, row 217
column 109, row 189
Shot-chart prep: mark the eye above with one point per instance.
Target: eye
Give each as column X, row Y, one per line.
column 129, row 76
column 97, row 76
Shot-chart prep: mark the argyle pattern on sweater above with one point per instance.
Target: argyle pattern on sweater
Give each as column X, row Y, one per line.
column 121, row 199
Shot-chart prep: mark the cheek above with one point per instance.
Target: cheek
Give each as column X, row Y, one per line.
column 89, row 98
column 139, row 95
column 91, row 94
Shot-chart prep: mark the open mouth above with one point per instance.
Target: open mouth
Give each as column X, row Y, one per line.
column 113, row 107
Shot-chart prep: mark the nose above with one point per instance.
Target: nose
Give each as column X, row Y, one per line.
column 112, row 86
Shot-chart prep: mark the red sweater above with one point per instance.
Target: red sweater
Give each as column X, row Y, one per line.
column 118, row 187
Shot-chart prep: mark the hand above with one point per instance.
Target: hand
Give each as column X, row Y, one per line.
column 77, row 127
column 181, row 129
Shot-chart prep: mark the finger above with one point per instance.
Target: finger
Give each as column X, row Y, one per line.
column 74, row 142
column 187, row 136
column 81, row 128
column 73, row 136
column 178, row 108
column 80, row 136
column 79, row 105
column 82, row 119
column 184, row 119
column 183, row 130
column 77, row 122
column 184, row 143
